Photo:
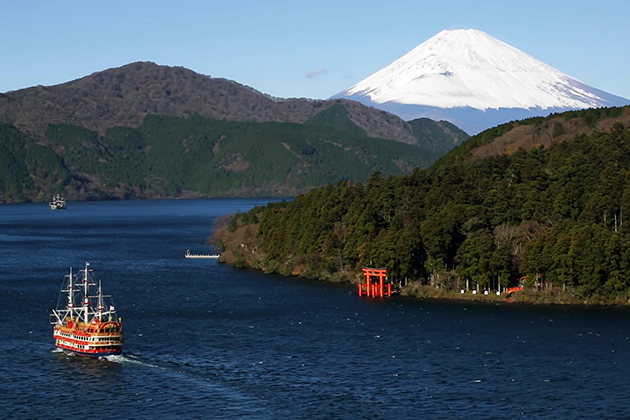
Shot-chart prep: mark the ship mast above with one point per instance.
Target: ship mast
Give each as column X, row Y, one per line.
column 86, row 290
column 70, row 291
column 100, row 306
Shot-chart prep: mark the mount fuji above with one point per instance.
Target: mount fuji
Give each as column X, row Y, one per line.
column 475, row 81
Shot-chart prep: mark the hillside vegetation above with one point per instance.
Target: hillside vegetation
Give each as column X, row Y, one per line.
column 196, row 157
column 28, row 166
column 537, row 131
column 557, row 213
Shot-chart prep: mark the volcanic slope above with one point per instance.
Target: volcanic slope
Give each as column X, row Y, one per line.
column 475, row 81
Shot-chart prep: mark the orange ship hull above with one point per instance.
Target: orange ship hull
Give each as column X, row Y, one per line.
column 94, row 340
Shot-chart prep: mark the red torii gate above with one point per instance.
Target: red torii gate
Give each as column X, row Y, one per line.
column 379, row 289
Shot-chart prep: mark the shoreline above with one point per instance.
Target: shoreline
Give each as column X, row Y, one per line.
column 241, row 248
column 546, row 298
column 92, row 199
column 419, row 292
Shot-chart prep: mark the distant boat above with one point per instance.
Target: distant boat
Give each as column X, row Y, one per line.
column 87, row 324
column 57, row 203
column 189, row 255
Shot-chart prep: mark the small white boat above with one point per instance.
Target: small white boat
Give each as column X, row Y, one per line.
column 57, row 203
column 189, row 255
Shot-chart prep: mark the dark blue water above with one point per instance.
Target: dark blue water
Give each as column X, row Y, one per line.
column 204, row 340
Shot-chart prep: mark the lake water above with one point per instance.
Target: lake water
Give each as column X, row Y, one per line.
column 204, row 340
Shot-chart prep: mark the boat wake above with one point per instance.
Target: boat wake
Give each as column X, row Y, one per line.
column 122, row 359
column 118, row 358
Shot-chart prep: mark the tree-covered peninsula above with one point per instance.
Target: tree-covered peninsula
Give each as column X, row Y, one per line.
column 553, row 214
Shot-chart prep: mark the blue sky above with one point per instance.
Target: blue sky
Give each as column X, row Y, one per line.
column 308, row 49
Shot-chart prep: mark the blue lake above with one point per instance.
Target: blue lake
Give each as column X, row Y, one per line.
column 204, row 340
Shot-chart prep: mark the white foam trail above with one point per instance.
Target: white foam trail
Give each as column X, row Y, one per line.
column 127, row 359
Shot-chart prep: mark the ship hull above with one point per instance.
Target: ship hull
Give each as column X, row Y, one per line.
column 88, row 354
column 189, row 255
column 90, row 340
column 202, row 256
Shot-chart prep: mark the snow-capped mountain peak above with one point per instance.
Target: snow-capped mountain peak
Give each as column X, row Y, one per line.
column 469, row 68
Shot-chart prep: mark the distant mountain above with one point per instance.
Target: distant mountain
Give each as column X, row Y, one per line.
column 124, row 96
column 145, row 131
column 475, row 81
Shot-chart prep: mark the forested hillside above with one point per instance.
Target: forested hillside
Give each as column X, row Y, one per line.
column 26, row 166
column 558, row 214
column 195, row 157
column 538, row 131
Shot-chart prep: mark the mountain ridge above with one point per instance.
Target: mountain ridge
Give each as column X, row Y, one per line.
column 96, row 138
column 123, row 96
